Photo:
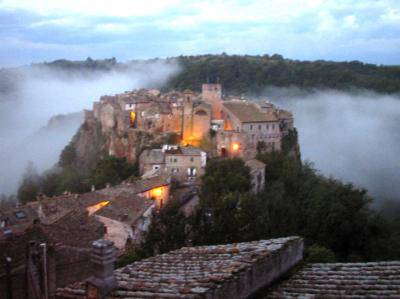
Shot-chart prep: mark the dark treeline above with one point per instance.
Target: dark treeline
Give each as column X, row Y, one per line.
column 242, row 74
column 66, row 176
column 334, row 219
column 252, row 74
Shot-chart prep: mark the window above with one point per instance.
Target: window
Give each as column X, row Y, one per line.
column 251, row 127
column 191, row 159
column 267, row 126
column 20, row 215
column 259, row 127
column 191, row 171
column 273, row 127
column 175, row 160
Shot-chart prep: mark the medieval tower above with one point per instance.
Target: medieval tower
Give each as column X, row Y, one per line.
column 212, row 94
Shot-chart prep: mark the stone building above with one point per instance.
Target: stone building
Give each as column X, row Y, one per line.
column 182, row 163
column 122, row 125
column 185, row 163
column 249, row 126
column 212, row 94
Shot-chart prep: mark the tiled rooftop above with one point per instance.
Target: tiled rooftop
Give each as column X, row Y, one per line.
column 133, row 186
column 194, row 272
column 343, row 280
column 184, row 150
column 247, row 111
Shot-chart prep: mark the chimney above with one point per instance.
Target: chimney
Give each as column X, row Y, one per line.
column 103, row 281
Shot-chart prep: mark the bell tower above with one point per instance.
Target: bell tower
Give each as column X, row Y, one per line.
column 187, row 115
column 212, row 93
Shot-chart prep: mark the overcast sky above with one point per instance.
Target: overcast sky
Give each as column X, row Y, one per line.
column 39, row 30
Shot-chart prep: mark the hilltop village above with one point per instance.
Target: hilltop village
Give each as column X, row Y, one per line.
column 171, row 136
column 237, row 127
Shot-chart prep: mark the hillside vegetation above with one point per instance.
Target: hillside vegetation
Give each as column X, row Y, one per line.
column 251, row 74
column 238, row 74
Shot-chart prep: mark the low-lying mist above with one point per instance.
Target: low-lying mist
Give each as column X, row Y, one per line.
column 41, row 93
column 354, row 137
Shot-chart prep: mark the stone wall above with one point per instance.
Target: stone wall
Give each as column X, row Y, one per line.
column 261, row 275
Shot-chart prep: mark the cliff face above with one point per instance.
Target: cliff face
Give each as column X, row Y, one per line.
column 93, row 142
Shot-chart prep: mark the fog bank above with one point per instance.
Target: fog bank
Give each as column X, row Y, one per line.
column 42, row 92
column 352, row 136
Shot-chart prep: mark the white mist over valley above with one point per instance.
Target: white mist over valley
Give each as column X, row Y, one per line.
column 43, row 93
column 354, row 137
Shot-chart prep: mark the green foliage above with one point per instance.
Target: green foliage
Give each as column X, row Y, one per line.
column 30, row 186
column 297, row 201
column 289, row 141
column 223, row 176
column 69, row 178
column 252, row 74
column 319, row 254
column 167, row 231
column 129, row 257
column 111, row 170
column 67, row 157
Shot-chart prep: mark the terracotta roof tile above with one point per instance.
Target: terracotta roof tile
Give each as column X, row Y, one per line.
column 343, row 280
column 247, row 111
column 189, row 272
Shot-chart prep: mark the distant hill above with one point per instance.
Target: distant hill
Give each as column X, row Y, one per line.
column 252, row 74
column 238, row 74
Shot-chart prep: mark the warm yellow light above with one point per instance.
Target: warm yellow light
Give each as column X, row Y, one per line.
column 132, row 117
column 156, row 192
column 93, row 209
column 235, row 147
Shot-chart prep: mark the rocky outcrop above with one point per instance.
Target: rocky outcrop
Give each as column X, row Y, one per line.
column 92, row 143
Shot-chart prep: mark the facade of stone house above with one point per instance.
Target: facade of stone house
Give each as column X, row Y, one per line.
column 150, row 160
column 246, row 126
column 182, row 163
column 185, row 163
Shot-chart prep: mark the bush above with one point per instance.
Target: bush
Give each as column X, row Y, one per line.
column 319, row 254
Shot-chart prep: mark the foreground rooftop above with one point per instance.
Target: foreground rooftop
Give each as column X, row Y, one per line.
column 343, row 280
column 221, row 271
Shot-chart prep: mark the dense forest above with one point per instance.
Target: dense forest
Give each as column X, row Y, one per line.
column 251, row 74
column 240, row 74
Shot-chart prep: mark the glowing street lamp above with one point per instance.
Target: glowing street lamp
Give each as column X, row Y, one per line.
column 235, row 147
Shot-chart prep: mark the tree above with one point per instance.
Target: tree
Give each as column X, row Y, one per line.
column 29, row 187
column 166, row 232
column 111, row 170
column 223, row 176
column 68, row 156
column 319, row 254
